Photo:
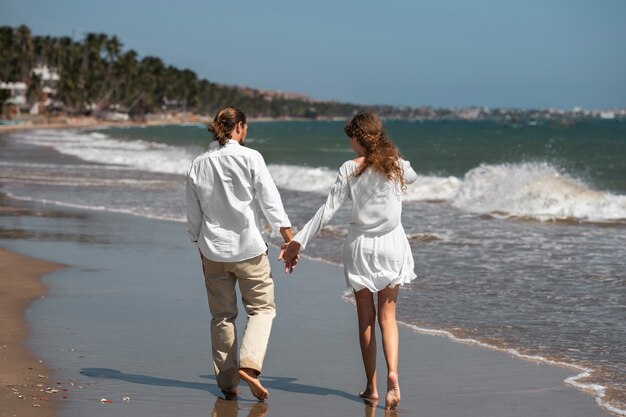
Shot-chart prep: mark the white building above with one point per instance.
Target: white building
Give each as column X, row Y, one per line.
column 17, row 92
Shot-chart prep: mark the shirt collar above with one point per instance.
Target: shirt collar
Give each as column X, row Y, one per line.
column 216, row 144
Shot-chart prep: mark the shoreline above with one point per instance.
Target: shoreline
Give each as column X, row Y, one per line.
column 597, row 391
column 88, row 122
column 297, row 364
column 25, row 380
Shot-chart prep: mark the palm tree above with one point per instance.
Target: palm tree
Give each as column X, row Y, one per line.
column 124, row 75
column 24, row 41
column 8, row 55
column 150, row 86
column 112, row 46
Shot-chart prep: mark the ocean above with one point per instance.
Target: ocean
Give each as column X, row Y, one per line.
column 518, row 230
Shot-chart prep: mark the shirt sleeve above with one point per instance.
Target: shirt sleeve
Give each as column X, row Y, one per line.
column 334, row 201
column 409, row 174
column 268, row 196
column 194, row 210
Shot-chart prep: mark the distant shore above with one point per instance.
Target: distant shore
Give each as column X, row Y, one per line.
column 65, row 122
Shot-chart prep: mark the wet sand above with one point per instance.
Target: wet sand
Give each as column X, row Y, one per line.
column 21, row 373
column 128, row 322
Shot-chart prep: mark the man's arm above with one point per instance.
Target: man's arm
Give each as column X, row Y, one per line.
column 194, row 211
column 286, row 233
column 269, row 197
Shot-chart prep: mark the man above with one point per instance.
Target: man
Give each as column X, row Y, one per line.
column 225, row 185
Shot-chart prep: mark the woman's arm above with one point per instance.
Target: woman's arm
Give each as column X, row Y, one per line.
column 409, row 174
column 335, row 199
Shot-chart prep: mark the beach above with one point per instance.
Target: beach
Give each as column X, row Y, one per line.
column 125, row 330
column 24, row 379
column 519, row 260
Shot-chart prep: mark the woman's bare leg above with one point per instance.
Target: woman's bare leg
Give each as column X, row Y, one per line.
column 366, row 313
column 389, row 328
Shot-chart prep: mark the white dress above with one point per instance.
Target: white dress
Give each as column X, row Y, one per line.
column 376, row 253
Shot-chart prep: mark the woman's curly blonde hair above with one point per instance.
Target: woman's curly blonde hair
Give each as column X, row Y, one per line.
column 380, row 153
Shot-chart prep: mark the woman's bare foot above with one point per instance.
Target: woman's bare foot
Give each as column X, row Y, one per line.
column 370, row 396
column 393, row 392
column 251, row 377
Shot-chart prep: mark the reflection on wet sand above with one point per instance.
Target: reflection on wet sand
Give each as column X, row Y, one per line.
column 225, row 408
column 12, row 207
column 18, row 234
column 370, row 409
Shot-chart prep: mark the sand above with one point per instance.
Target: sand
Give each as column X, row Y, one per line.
column 21, row 372
column 128, row 322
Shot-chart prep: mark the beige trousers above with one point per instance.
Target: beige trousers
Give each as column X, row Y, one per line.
column 257, row 295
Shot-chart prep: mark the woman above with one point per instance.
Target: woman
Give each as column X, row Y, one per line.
column 377, row 256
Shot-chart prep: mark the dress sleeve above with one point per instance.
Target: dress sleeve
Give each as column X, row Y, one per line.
column 409, row 174
column 194, row 210
column 335, row 199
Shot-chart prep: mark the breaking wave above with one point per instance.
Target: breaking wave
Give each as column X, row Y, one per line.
column 538, row 191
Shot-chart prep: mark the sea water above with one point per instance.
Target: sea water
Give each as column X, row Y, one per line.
column 518, row 230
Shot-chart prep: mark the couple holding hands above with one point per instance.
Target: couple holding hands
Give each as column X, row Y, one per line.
column 227, row 183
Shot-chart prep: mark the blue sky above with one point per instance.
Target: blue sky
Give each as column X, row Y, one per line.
column 442, row 53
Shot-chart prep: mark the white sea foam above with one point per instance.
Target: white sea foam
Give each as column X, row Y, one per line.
column 320, row 180
column 431, row 188
column 535, row 190
column 529, row 190
column 298, row 178
column 137, row 211
column 100, row 148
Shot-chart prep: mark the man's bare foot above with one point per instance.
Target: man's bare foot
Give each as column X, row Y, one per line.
column 393, row 392
column 259, row 410
column 251, row 377
column 230, row 395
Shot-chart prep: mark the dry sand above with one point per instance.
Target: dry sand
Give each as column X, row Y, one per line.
column 23, row 378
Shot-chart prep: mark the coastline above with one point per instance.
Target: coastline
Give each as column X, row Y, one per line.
column 74, row 122
column 577, row 381
column 21, row 372
column 93, row 122
column 438, row 375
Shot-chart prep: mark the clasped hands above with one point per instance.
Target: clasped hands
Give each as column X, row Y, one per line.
column 289, row 253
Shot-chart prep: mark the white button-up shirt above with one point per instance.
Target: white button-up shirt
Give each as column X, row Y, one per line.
column 225, row 187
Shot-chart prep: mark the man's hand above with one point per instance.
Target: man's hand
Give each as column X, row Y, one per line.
column 289, row 253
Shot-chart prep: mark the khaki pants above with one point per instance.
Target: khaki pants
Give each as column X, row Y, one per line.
column 257, row 294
